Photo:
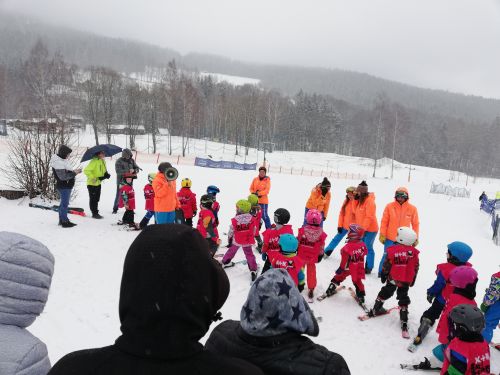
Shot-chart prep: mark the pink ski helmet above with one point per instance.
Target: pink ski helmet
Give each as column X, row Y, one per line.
column 356, row 232
column 462, row 276
column 314, row 217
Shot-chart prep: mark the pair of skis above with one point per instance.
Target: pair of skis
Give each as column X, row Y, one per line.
column 71, row 210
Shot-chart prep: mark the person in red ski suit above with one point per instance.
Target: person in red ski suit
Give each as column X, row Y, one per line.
column 256, row 212
column 311, row 246
column 149, row 198
column 207, row 223
column 288, row 259
column 352, row 263
column 468, row 352
column 127, row 200
column 187, row 200
column 464, row 280
column 272, row 235
column 400, row 271
column 213, row 190
column 242, row 234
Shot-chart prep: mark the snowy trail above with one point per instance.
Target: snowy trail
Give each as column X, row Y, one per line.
column 82, row 310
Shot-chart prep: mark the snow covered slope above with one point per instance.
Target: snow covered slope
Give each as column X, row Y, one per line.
column 82, row 311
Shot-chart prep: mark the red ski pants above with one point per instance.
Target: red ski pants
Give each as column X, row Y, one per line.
column 311, row 275
column 358, row 284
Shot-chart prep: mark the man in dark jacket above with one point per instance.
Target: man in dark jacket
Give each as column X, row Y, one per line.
column 65, row 181
column 170, row 293
column 269, row 335
column 125, row 164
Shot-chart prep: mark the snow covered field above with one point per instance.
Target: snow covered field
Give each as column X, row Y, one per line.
column 82, row 310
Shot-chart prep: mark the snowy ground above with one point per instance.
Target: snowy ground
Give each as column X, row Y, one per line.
column 82, row 310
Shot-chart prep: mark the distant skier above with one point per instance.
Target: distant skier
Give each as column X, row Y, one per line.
column 288, row 259
column 346, row 218
column 399, row 273
column 242, row 234
column 187, row 200
column 458, row 254
column 311, row 246
column 149, row 197
column 272, row 235
column 365, row 211
column 319, row 199
column 352, row 263
column 261, row 186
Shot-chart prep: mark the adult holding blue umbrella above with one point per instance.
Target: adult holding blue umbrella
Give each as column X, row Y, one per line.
column 96, row 172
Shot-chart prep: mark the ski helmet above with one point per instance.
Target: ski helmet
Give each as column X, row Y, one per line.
column 206, row 201
column 243, row 206
column 350, row 189
column 356, row 232
column 253, row 199
column 288, row 243
column 281, row 216
column 314, row 217
column 151, row 177
column 462, row 276
column 406, row 236
column 466, row 318
column 460, row 251
column 186, row 182
column 212, row 189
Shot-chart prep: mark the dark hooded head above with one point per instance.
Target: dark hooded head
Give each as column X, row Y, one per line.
column 126, row 153
column 171, row 290
column 64, row 151
column 162, row 167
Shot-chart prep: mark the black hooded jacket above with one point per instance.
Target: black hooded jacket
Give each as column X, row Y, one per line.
column 170, row 291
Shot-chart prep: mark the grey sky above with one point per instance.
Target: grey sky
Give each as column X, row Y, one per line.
column 447, row 44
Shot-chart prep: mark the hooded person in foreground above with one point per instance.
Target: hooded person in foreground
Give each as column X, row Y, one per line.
column 170, row 293
column 270, row 332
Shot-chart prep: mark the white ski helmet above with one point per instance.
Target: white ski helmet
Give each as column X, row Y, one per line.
column 406, row 236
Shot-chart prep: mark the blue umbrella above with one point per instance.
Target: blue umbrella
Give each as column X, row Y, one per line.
column 109, row 150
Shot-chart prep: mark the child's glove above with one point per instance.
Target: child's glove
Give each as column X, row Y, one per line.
column 484, row 307
column 320, row 257
column 430, row 297
column 264, row 256
column 381, row 238
column 339, row 230
column 339, row 271
column 194, row 213
column 106, row 175
column 383, row 277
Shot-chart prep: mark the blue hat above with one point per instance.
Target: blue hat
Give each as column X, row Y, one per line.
column 460, row 251
column 288, row 243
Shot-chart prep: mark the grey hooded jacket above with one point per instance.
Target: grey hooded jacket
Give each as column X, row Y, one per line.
column 26, row 268
column 125, row 164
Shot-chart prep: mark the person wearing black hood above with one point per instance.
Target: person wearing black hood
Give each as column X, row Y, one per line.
column 125, row 164
column 65, row 181
column 319, row 199
column 170, row 293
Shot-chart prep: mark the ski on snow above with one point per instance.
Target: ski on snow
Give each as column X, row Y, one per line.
column 323, row 296
column 424, row 366
column 71, row 210
column 368, row 316
column 361, row 304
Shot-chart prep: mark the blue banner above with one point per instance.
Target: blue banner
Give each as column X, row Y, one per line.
column 489, row 205
column 209, row 163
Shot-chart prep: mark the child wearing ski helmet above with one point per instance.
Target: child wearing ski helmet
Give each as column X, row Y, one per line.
column 187, row 200
column 467, row 353
column 400, row 271
column 491, row 307
column 464, row 280
column 272, row 235
column 149, row 197
column 288, row 259
column 311, row 246
column 213, row 190
column 352, row 263
column 242, row 234
column 256, row 212
column 458, row 254
column 206, row 223
column 127, row 200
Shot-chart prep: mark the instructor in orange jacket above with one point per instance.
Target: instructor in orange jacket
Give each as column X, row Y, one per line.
column 261, row 185
column 166, row 201
column 319, row 199
column 399, row 213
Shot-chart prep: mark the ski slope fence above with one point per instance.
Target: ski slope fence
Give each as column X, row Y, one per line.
column 492, row 208
column 449, row 190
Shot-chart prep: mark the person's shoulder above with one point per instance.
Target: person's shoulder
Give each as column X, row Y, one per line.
column 83, row 362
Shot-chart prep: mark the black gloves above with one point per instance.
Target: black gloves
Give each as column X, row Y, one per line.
column 339, row 230
column 383, row 277
column 320, row 257
column 106, row 175
column 430, row 298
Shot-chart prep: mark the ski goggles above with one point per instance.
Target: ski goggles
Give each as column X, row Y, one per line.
column 401, row 194
column 350, row 189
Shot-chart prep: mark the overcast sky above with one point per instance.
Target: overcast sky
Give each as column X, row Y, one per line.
column 446, row 44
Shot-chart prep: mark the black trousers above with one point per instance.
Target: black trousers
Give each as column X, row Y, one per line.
column 433, row 312
column 388, row 290
column 189, row 222
column 128, row 217
column 94, row 197
column 267, row 266
column 212, row 246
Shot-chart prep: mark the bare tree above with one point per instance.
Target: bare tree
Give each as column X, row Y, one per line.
column 111, row 83
column 93, row 96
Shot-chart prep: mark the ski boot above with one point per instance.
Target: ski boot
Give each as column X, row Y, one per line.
column 310, row 294
column 331, row 290
column 425, row 325
column 259, row 244
column 253, row 275
column 97, row 216
column 378, row 308
column 360, row 296
column 403, row 316
column 67, row 224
